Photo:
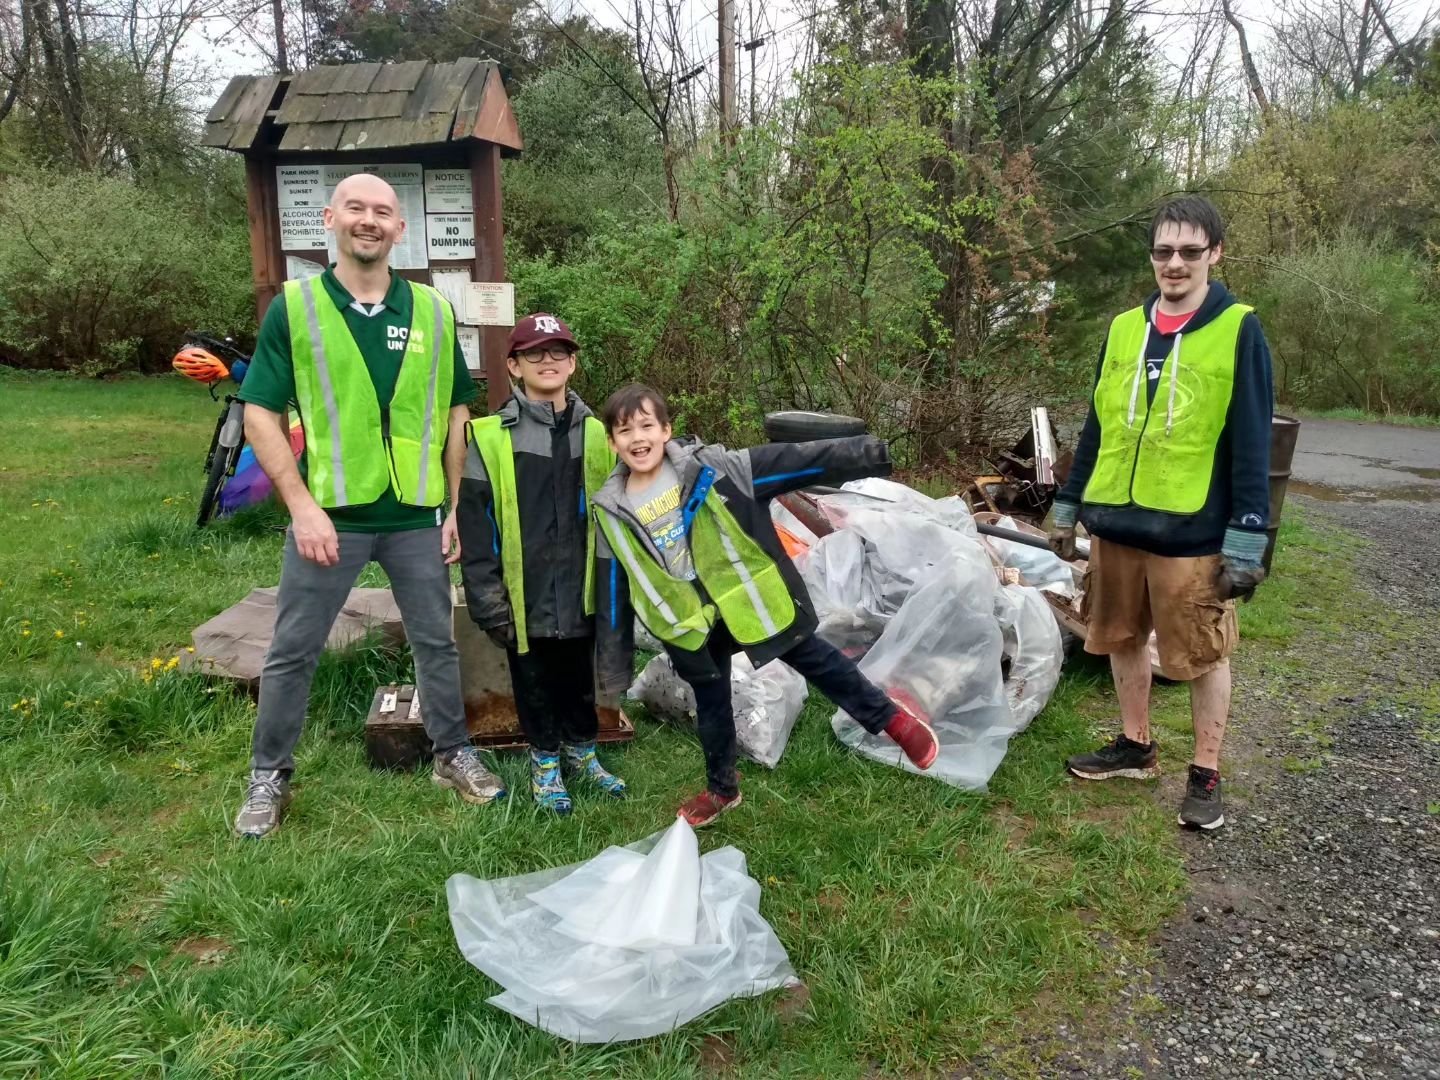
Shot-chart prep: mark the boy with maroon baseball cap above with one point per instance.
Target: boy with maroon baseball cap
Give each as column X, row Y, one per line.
column 532, row 581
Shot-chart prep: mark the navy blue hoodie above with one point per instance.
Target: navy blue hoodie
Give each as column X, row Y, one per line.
column 1240, row 488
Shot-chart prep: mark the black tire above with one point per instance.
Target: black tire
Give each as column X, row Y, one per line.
column 220, row 463
column 800, row 426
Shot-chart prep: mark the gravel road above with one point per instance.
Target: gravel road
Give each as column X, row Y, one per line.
column 1310, row 945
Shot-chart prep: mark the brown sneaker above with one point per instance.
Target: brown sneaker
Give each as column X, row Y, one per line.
column 266, row 797
column 706, row 807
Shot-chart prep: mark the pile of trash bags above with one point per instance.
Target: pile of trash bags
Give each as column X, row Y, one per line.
column 905, row 586
column 632, row 943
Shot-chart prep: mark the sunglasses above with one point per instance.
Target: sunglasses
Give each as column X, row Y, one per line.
column 554, row 352
column 1190, row 253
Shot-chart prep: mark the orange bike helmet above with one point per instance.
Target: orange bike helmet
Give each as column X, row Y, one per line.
column 200, row 364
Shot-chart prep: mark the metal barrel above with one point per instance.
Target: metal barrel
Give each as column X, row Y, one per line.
column 1284, row 430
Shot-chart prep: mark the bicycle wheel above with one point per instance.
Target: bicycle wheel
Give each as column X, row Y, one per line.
column 221, row 462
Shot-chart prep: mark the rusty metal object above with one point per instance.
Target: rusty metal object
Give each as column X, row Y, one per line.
column 1284, row 431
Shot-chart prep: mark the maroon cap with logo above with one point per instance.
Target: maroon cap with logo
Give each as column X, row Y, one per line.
column 539, row 329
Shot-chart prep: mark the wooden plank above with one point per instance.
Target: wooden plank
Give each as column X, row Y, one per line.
column 355, row 78
column 396, row 77
column 218, row 135
column 371, row 106
column 267, row 264
column 311, row 137
column 300, row 108
column 317, row 80
column 228, row 97
column 449, row 84
column 249, row 112
column 468, row 107
column 415, row 107
column 495, row 122
column 395, row 131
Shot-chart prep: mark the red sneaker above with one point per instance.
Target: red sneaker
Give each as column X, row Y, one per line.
column 914, row 735
column 706, row 807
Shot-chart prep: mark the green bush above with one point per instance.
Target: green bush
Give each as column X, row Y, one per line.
column 98, row 275
column 1352, row 322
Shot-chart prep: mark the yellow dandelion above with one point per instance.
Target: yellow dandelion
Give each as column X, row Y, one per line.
column 156, row 663
column 59, row 633
column 172, row 663
column 24, row 633
column 190, row 648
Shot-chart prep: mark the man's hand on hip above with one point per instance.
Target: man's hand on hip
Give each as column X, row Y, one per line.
column 315, row 536
column 450, row 540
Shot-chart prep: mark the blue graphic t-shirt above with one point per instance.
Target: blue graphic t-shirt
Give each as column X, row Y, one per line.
column 657, row 506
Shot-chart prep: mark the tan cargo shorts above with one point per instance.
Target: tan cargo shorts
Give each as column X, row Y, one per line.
column 1129, row 592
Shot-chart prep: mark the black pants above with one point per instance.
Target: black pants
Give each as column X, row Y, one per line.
column 708, row 673
column 555, row 691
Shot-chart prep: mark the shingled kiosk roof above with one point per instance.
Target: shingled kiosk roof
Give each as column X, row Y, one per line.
column 345, row 107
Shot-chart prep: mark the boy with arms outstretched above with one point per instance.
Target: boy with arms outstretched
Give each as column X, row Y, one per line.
column 689, row 527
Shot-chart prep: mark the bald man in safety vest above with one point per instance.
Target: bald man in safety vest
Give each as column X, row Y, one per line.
column 371, row 363
column 1171, row 478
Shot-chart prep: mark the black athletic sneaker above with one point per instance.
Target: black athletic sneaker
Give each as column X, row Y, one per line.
column 1120, row 757
column 1201, row 808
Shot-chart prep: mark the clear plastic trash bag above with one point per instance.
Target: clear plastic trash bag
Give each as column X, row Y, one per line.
column 941, row 657
column 1040, row 568
column 1033, row 645
column 633, row 943
column 874, row 492
column 767, row 702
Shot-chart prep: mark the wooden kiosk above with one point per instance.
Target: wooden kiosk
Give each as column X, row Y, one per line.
column 437, row 133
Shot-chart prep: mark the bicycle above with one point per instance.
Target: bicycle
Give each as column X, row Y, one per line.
column 209, row 361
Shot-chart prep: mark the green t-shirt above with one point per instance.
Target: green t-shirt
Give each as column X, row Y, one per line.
column 380, row 332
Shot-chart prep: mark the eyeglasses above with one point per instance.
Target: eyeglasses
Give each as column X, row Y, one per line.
column 554, row 352
column 1190, row 253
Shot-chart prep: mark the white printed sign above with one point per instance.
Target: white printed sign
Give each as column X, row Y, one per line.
column 469, row 339
column 452, row 236
column 301, row 186
column 451, row 283
column 490, row 303
column 448, row 191
column 302, row 228
column 397, row 176
column 298, row 269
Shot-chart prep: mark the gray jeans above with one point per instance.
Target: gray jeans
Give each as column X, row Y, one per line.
column 310, row 598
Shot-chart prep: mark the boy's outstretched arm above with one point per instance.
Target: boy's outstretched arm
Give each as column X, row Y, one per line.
column 485, row 594
column 776, row 468
column 614, row 625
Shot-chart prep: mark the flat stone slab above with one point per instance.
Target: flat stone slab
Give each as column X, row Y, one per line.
column 233, row 644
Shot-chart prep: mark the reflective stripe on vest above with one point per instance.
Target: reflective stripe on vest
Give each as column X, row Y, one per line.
column 497, row 451
column 670, row 608
column 742, row 581
column 353, row 456
column 1164, row 458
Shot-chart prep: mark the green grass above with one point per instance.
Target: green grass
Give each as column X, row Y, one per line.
column 1360, row 415
column 138, row 938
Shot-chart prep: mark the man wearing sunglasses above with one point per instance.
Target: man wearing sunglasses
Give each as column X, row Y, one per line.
column 1171, row 479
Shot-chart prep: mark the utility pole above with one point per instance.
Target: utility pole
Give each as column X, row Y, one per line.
column 728, row 83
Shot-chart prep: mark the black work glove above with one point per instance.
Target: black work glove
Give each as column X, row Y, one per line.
column 503, row 635
column 1237, row 580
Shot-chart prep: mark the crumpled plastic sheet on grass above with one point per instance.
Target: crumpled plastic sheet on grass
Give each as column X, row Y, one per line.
column 1040, row 568
column 632, row 943
column 767, row 702
column 941, row 656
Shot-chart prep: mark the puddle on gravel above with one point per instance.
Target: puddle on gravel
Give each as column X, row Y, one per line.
column 1412, row 493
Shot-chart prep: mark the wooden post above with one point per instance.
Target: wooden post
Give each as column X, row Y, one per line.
column 267, row 262
column 490, row 262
